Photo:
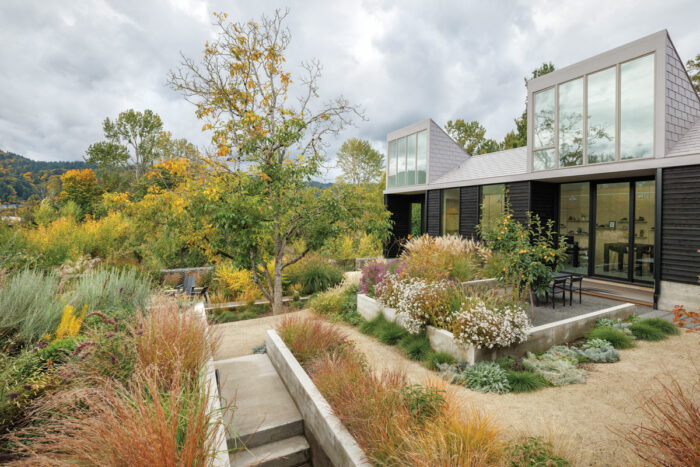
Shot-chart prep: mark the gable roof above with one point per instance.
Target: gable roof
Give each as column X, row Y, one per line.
column 689, row 144
column 493, row 164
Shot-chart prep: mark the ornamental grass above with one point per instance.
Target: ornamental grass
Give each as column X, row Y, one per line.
column 395, row 423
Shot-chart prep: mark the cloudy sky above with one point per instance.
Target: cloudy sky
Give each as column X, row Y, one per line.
column 66, row 65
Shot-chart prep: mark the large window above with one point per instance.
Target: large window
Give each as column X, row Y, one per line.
column 574, row 224
column 407, row 161
column 571, row 123
column 579, row 134
column 492, row 202
column 637, row 108
column 601, row 116
column 450, row 211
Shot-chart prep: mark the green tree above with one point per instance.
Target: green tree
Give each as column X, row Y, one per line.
column 131, row 142
column 471, row 136
column 81, row 187
column 694, row 71
column 360, row 163
column 255, row 200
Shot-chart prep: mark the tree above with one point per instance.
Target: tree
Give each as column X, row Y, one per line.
column 255, row 200
column 130, row 144
column 471, row 136
column 360, row 163
column 82, row 188
column 694, row 71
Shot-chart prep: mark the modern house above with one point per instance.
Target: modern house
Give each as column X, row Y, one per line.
column 612, row 157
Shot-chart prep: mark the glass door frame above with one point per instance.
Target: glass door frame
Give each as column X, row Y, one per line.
column 631, row 260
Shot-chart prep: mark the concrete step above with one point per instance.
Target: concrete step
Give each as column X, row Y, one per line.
column 291, row 452
column 264, row 411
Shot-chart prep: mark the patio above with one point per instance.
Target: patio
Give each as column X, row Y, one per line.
column 544, row 313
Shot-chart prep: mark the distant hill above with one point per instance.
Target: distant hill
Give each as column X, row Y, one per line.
column 22, row 179
column 320, row 185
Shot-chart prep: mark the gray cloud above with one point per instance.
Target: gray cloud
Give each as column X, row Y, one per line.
column 68, row 65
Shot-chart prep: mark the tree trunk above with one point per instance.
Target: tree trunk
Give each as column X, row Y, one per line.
column 277, row 288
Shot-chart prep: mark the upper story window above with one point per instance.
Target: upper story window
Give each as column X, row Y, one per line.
column 407, row 161
column 604, row 116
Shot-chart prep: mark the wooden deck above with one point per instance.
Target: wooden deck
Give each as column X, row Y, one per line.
column 636, row 294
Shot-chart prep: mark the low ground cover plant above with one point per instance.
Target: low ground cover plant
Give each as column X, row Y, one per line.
column 535, row 452
column 394, row 422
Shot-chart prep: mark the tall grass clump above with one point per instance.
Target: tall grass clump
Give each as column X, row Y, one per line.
column 172, row 342
column 647, row 332
column 112, row 424
column 29, row 305
column 314, row 273
column 670, row 434
column 310, row 338
column 662, row 325
column 111, row 288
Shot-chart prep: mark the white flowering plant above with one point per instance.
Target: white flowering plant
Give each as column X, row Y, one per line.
column 490, row 325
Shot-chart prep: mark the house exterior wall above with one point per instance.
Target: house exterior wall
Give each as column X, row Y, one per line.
column 469, row 207
column 433, row 212
column 443, row 153
column 682, row 102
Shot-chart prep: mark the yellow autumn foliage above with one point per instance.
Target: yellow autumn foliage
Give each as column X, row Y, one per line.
column 236, row 283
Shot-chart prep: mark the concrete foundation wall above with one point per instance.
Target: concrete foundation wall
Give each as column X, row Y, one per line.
column 676, row 293
column 326, row 430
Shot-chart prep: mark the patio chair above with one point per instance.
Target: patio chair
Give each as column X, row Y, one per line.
column 575, row 283
column 188, row 285
column 557, row 285
column 204, row 293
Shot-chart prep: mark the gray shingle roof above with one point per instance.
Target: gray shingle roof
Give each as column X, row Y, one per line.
column 494, row 164
column 689, row 142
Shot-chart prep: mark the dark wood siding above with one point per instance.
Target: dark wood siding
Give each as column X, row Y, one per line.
column 468, row 211
column 433, row 212
column 544, row 201
column 680, row 237
column 519, row 196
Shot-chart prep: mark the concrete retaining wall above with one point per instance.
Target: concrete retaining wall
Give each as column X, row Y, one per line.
column 675, row 293
column 325, row 428
column 540, row 338
column 222, row 454
column 481, row 284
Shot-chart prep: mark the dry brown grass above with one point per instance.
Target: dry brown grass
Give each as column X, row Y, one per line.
column 308, row 338
column 172, row 342
column 138, row 425
column 671, row 434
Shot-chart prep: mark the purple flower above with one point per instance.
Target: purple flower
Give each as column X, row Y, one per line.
column 13, row 395
column 28, row 387
column 109, row 334
column 113, row 359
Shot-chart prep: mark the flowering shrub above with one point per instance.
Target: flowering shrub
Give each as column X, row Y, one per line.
column 440, row 258
column 489, row 326
column 236, row 283
column 372, row 275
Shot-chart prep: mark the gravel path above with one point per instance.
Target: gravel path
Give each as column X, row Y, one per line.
column 577, row 417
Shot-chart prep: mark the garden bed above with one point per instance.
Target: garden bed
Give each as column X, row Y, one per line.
column 539, row 338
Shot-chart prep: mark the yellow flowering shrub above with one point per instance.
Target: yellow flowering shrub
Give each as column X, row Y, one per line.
column 236, row 284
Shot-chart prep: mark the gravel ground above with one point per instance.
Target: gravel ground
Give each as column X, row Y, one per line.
column 578, row 417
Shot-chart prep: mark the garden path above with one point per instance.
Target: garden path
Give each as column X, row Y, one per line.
column 577, row 417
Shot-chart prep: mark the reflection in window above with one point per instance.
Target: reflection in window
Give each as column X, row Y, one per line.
column 401, row 171
column 450, row 211
column 544, row 118
column 644, row 226
column 391, row 165
column 422, row 155
column 407, row 161
column 544, row 159
column 637, row 108
column 411, row 159
column 492, row 202
column 601, row 116
column 574, row 225
column 571, row 123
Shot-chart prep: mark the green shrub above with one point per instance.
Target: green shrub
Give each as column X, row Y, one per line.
column 30, row 306
column 486, row 377
column 619, row 339
column 390, row 333
column 314, row 274
column 416, row 346
column 370, row 327
column 525, row 381
column 435, row 359
column 647, row 332
column 662, row 325
column 599, row 351
column 506, row 362
column 328, row 303
column 534, row 452
column 555, row 370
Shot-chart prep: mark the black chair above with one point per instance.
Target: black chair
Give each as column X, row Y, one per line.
column 204, row 293
column 557, row 285
column 574, row 284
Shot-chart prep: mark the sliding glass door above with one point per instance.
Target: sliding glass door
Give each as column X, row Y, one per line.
column 612, row 234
